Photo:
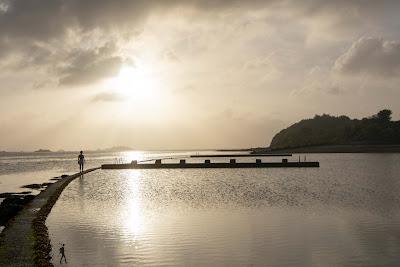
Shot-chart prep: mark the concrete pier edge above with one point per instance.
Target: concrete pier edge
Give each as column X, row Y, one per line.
column 25, row 241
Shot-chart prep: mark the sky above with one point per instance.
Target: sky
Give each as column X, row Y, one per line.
column 189, row 74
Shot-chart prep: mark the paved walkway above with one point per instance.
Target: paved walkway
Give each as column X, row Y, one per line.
column 16, row 240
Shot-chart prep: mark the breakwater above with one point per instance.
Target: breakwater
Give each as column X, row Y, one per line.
column 240, row 155
column 208, row 165
column 25, row 242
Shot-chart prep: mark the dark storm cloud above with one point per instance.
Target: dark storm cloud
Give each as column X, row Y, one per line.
column 373, row 56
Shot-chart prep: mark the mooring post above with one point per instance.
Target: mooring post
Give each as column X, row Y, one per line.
column 258, row 161
column 232, row 161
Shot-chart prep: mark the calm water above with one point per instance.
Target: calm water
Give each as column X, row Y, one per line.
column 19, row 169
column 345, row 213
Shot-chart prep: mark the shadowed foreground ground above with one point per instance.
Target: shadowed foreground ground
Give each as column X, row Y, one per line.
column 17, row 240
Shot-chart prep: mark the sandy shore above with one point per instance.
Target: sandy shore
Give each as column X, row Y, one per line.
column 25, row 242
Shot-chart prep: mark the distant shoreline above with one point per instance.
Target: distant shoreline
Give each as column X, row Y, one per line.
column 257, row 150
column 333, row 149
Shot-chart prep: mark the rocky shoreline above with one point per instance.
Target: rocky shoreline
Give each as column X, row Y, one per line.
column 25, row 240
column 13, row 202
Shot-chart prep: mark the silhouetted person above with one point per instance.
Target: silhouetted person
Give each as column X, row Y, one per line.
column 62, row 252
column 81, row 161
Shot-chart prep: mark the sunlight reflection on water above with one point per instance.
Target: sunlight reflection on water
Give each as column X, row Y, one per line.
column 345, row 213
column 133, row 155
column 132, row 217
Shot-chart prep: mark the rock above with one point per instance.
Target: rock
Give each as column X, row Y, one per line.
column 4, row 195
column 9, row 194
column 23, row 193
column 32, row 186
column 12, row 205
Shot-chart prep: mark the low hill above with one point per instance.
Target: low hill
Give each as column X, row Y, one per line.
column 326, row 130
column 43, row 151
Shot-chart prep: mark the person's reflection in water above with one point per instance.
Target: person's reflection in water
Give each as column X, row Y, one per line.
column 62, row 252
column 81, row 193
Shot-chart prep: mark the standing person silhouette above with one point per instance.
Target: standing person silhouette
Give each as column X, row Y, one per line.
column 81, row 161
column 62, row 252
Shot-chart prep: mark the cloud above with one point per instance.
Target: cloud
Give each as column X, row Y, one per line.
column 107, row 97
column 373, row 56
column 81, row 74
column 89, row 66
column 46, row 20
column 41, row 34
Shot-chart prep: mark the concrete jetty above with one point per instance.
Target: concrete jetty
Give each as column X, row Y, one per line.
column 17, row 241
column 209, row 165
column 239, row 155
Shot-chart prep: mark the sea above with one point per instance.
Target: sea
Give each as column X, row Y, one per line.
column 344, row 213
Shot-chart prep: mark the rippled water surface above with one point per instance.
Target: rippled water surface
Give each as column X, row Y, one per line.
column 345, row 213
column 18, row 169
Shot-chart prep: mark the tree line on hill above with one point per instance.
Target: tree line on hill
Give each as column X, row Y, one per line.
column 378, row 129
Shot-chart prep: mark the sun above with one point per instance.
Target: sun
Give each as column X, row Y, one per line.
column 135, row 83
column 140, row 89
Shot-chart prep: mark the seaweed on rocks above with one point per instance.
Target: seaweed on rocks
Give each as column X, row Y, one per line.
column 32, row 186
column 11, row 205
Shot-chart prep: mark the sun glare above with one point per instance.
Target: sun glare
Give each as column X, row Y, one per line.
column 141, row 91
column 135, row 83
column 132, row 215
